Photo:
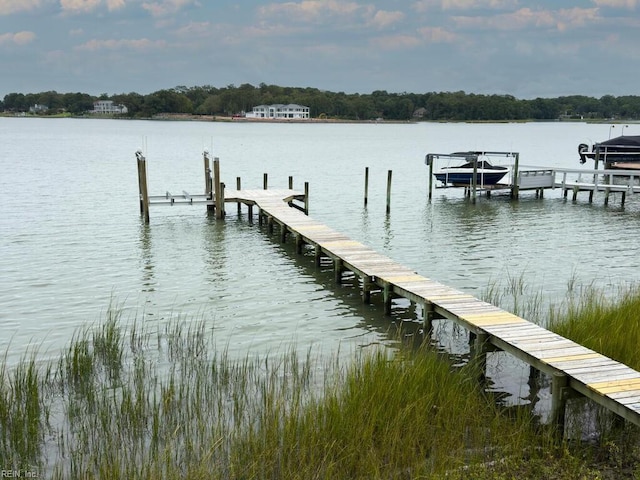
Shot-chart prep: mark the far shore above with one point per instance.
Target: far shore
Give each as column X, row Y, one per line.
column 238, row 119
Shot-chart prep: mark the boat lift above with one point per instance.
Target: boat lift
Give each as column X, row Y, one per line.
column 472, row 157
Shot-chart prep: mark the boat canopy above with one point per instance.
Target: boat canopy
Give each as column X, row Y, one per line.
column 630, row 141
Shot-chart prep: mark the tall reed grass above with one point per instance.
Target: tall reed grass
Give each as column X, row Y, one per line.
column 126, row 402
column 607, row 322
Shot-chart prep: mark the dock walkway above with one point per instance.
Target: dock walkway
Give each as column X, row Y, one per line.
column 572, row 367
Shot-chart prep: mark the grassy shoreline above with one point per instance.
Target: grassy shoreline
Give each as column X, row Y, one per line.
column 122, row 401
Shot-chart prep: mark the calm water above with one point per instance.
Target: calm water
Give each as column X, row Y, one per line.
column 72, row 242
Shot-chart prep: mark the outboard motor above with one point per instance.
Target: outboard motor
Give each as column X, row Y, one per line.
column 583, row 148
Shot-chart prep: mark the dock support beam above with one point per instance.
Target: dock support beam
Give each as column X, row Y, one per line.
column 338, row 268
column 389, row 173
column 218, row 189
column 142, row 186
column 559, row 394
column 306, row 198
column 208, row 182
column 299, row 243
column 427, row 314
column 479, row 349
column 366, row 289
column 366, row 185
column 387, row 295
column 429, row 161
column 515, row 187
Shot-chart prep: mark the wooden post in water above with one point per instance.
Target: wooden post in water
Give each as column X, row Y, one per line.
column 515, row 187
column 290, row 188
column 238, row 187
column 217, row 189
column 208, row 182
column 480, row 347
column 264, row 181
column 366, row 289
column 559, row 386
column 389, row 173
column 306, row 198
column 142, row 186
column 429, row 161
column 299, row 243
column 338, row 268
column 366, row 186
column 387, row 296
column 222, row 212
column 427, row 314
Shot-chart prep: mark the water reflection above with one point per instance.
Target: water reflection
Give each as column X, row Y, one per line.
column 214, row 244
column 148, row 281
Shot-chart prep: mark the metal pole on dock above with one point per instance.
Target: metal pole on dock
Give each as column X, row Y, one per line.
column 389, row 173
column 238, row 187
column 142, row 186
column 366, row 185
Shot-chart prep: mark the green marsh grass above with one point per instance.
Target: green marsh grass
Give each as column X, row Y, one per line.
column 123, row 401
column 606, row 323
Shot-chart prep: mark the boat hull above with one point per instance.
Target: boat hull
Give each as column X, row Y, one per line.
column 465, row 178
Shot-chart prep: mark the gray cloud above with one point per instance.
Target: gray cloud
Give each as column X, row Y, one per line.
column 479, row 46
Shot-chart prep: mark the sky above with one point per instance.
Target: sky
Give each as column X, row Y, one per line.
column 528, row 49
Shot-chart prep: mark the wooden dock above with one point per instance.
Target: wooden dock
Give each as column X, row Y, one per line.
column 574, row 369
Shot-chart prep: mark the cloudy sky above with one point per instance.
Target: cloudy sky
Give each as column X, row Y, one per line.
column 543, row 48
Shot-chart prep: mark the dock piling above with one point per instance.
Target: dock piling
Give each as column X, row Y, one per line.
column 366, row 186
column 306, row 198
column 559, row 387
column 219, row 199
column 142, row 185
column 389, row 173
column 238, row 187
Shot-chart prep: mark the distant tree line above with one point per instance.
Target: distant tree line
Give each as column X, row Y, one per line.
column 232, row 100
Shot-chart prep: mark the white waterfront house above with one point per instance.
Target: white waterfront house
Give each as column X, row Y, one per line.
column 279, row 111
column 107, row 107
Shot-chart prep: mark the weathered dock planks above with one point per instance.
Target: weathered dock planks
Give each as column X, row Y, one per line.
column 574, row 369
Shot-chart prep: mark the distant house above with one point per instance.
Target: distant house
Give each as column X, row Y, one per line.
column 37, row 108
column 107, row 107
column 279, row 111
column 420, row 112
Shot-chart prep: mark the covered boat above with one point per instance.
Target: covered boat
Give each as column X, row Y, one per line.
column 463, row 175
column 619, row 152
